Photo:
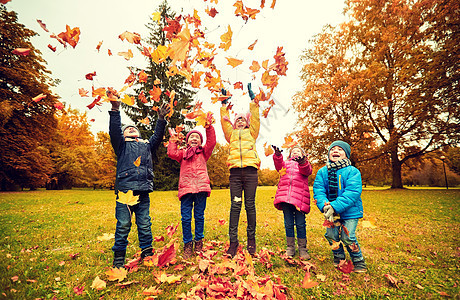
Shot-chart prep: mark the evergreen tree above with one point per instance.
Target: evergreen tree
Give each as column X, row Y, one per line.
column 25, row 126
column 166, row 170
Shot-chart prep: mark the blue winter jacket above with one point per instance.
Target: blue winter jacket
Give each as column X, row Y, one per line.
column 129, row 176
column 348, row 203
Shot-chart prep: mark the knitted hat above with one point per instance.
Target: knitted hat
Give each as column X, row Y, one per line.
column 344, row 145
column 246, row 117
column 296, row 146
column 127, row 126
column 194, row 131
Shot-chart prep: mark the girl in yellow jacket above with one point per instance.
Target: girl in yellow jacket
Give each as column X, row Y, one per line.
column 243, row 162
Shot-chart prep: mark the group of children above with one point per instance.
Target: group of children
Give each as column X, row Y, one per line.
column 337, row 187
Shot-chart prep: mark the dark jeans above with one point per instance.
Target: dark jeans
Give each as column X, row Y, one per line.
column 197, row 203
column 123, row 213
column 294, row 217
column 243, row 180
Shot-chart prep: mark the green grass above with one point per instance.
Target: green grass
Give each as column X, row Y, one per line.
column 49, row 240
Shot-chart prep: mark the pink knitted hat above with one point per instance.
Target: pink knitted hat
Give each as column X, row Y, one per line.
column 194, row 131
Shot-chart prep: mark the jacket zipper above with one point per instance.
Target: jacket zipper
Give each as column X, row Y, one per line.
column 340, row 185
column 290, row 186
column 241, row 153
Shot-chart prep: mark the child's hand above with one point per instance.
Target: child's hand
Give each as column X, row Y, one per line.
column 164, row 110
column 300, row 159
column 173, row 135
column 209, row 120
column 329, row 213
column 277, row 150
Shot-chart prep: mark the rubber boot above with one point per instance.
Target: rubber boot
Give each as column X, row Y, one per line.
column 188, row 250
column 232, row 249
column 252, row 246
column 198, row 246
column 146, row 252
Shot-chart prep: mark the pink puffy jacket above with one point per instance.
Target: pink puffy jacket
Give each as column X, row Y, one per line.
column 293, row 186
column 193, row 171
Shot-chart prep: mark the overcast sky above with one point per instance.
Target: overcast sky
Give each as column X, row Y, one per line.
column 288, row 25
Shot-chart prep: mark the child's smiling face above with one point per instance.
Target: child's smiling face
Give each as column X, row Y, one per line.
column 194, row 140
column 240, row 123
column 296, row 152
column 336, row 154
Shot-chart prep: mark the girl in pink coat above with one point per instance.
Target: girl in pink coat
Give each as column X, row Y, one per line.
column 293, row 197
column 194, row 184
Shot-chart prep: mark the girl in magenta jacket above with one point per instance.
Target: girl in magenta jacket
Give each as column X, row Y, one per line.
column 293, row 196
column 194, row 185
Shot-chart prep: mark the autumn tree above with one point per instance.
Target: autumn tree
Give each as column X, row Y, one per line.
column 386, row 81
column 268, row 177
column 73, row 152
column 26, row 121
column 217, row 166
column 158, row 87
column 106, row 162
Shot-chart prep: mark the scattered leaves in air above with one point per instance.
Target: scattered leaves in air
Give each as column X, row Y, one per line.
column 131, row 37
column 42, row 25
column 90, row 76
column 226, row 39
column 288, row 142
column 71, row 36
column 234, row 62
column 251, row 47
column 127, row 54
column 127, row 198
column 52, row 48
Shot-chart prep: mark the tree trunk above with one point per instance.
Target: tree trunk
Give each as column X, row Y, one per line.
column 396, row 171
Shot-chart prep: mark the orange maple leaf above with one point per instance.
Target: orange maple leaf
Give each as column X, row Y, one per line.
column 109, row 52
column 70, row 36
column 238, row 85
column 307, row 282
column 180, row 46
column 155, row 94
column 142, row 97
column 234, row 62
column 116, row 274
column 98, row 47
column 196, row 78
column 83, row 92
column 268, row 149
column 255, row 66
column 226, row 39
column 98, row 92
column 289, row 142
column 142, row 76
column 268, row 80
column 211, row 12
column 131, row 37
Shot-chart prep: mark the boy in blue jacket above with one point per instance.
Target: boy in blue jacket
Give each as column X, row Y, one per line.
column 134, row 173
column 337, row 191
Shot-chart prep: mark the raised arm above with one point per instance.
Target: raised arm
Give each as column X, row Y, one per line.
column 210, row 141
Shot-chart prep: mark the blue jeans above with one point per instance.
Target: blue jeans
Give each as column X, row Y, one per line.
column 292, row 217
column 197, row 203
column 350, row 241
column 243, row 180
column 123, row 213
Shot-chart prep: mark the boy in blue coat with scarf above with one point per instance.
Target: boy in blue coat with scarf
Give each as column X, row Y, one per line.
column 135, row 174
column 337, row 191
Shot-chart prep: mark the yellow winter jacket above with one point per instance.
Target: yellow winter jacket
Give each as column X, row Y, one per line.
column 242, row 150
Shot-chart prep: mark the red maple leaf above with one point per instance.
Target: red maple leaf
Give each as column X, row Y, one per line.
column 142, row 97
column 52, row 48
column 131, row 78
column 346, row 266
column 211, row 12
column 42, row 25
column 167, row 256
column 90, row 76
column 71, row 36
column 173, row 28
column 94, row 103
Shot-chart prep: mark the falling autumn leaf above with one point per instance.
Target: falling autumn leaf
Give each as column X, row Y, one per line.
column 142, row 76
column 137, row 162
column 52, row 48
column 42, row 25
column 70, row 36
column 98, row 284
column 251, row 47
column 21, row 51
column 127, row 198
column 127, row 55
column 98, row 47
column 211, row 12
column 116, row 274
column 255, row 67
column 289, row 142
column 234, row 62
column 90, row 76
column 145, row 121
column 128, row 100
column 131, row 37
column 179, row 47
column 155, row 94
column 38, row 98
column 226, row 39
column 268, row 150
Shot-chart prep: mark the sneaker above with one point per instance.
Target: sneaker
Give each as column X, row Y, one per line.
column 198, row 246
column 252, row 246
column 232, row 249
column 336, row 261
column 146, row 252
column 360, row 267
column 188, row 250
column 119, row 259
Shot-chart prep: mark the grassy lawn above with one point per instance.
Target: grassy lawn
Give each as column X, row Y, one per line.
column 49, row 246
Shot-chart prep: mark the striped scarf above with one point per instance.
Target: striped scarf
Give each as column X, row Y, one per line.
column 332, row 168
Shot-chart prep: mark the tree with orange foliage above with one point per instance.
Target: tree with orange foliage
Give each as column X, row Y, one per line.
column 386, row 81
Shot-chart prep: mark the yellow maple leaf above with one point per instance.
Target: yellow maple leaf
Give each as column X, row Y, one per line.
column 160, row 54
column 255, row 66
column 131, row 37
column 289, row 142
column 226, row 39
column 106, row 237
column 127, row 55
column 127, row 198
column 234, row 62
column 98, row 284
column 137, row 162
column 282, row 171
column 156, row 16
column 128, row 100
column 116, row 274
